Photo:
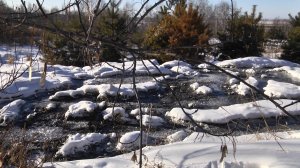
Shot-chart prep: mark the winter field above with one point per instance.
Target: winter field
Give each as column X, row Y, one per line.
column 89, row 116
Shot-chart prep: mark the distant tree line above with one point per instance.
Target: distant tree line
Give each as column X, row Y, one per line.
column 183, row 30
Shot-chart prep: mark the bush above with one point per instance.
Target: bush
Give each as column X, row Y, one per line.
column 179, row 31
column 291, row 51
column 244, row 36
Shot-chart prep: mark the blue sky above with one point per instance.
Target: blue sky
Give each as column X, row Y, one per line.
column 269, row 8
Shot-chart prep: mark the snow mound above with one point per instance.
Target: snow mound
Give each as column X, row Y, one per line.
column 255, row 62
column 130, row 141
column 82, row 109
column 175, row 63
column 11, row 112
column 153, row 121
column 177, row 136
column 232, row 112
column 282, row 90
column 145, row 110
column 116, row 112
column 185, row 70
column 294, row 72
column 80, row 143
column 104, row 90
column 201, row 89
column 243, row 89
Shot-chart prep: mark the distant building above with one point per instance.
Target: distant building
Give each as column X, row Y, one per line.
column 269, row 23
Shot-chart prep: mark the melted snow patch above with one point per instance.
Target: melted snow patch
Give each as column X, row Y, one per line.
column 237, row 111
column 282, row 90
column 80, row 143
column 11, row 112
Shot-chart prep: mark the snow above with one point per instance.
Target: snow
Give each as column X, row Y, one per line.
column 152, row 121
column 104, row 90
column 255, row 62
column 112, row 68
column 82, row 109
column 214, row 41
column 80, row 143
column 196, row 150
column 282, row 90
column 119, row 112
column 185, row 70
column 204, row 90
column 294, row 72
column 225, row 114
column 206, row 153
column 51, row 106
column 130, row 141
column 177, row 136
column 175, row 63
column 10, row 112
column 243, row 89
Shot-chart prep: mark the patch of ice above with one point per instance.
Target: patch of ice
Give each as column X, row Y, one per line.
column 80, row 143
column 11, row 112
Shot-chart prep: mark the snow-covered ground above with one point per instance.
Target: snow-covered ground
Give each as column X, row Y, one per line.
column 186, row 149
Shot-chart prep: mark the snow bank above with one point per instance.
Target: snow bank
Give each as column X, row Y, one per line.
column 11, row 112
column 255, row 62
column 104, row 90
column 82, row 109
column 282, row 90
column 130, row 141
column 237, row 111
column 205, row 154
column 80, row 143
